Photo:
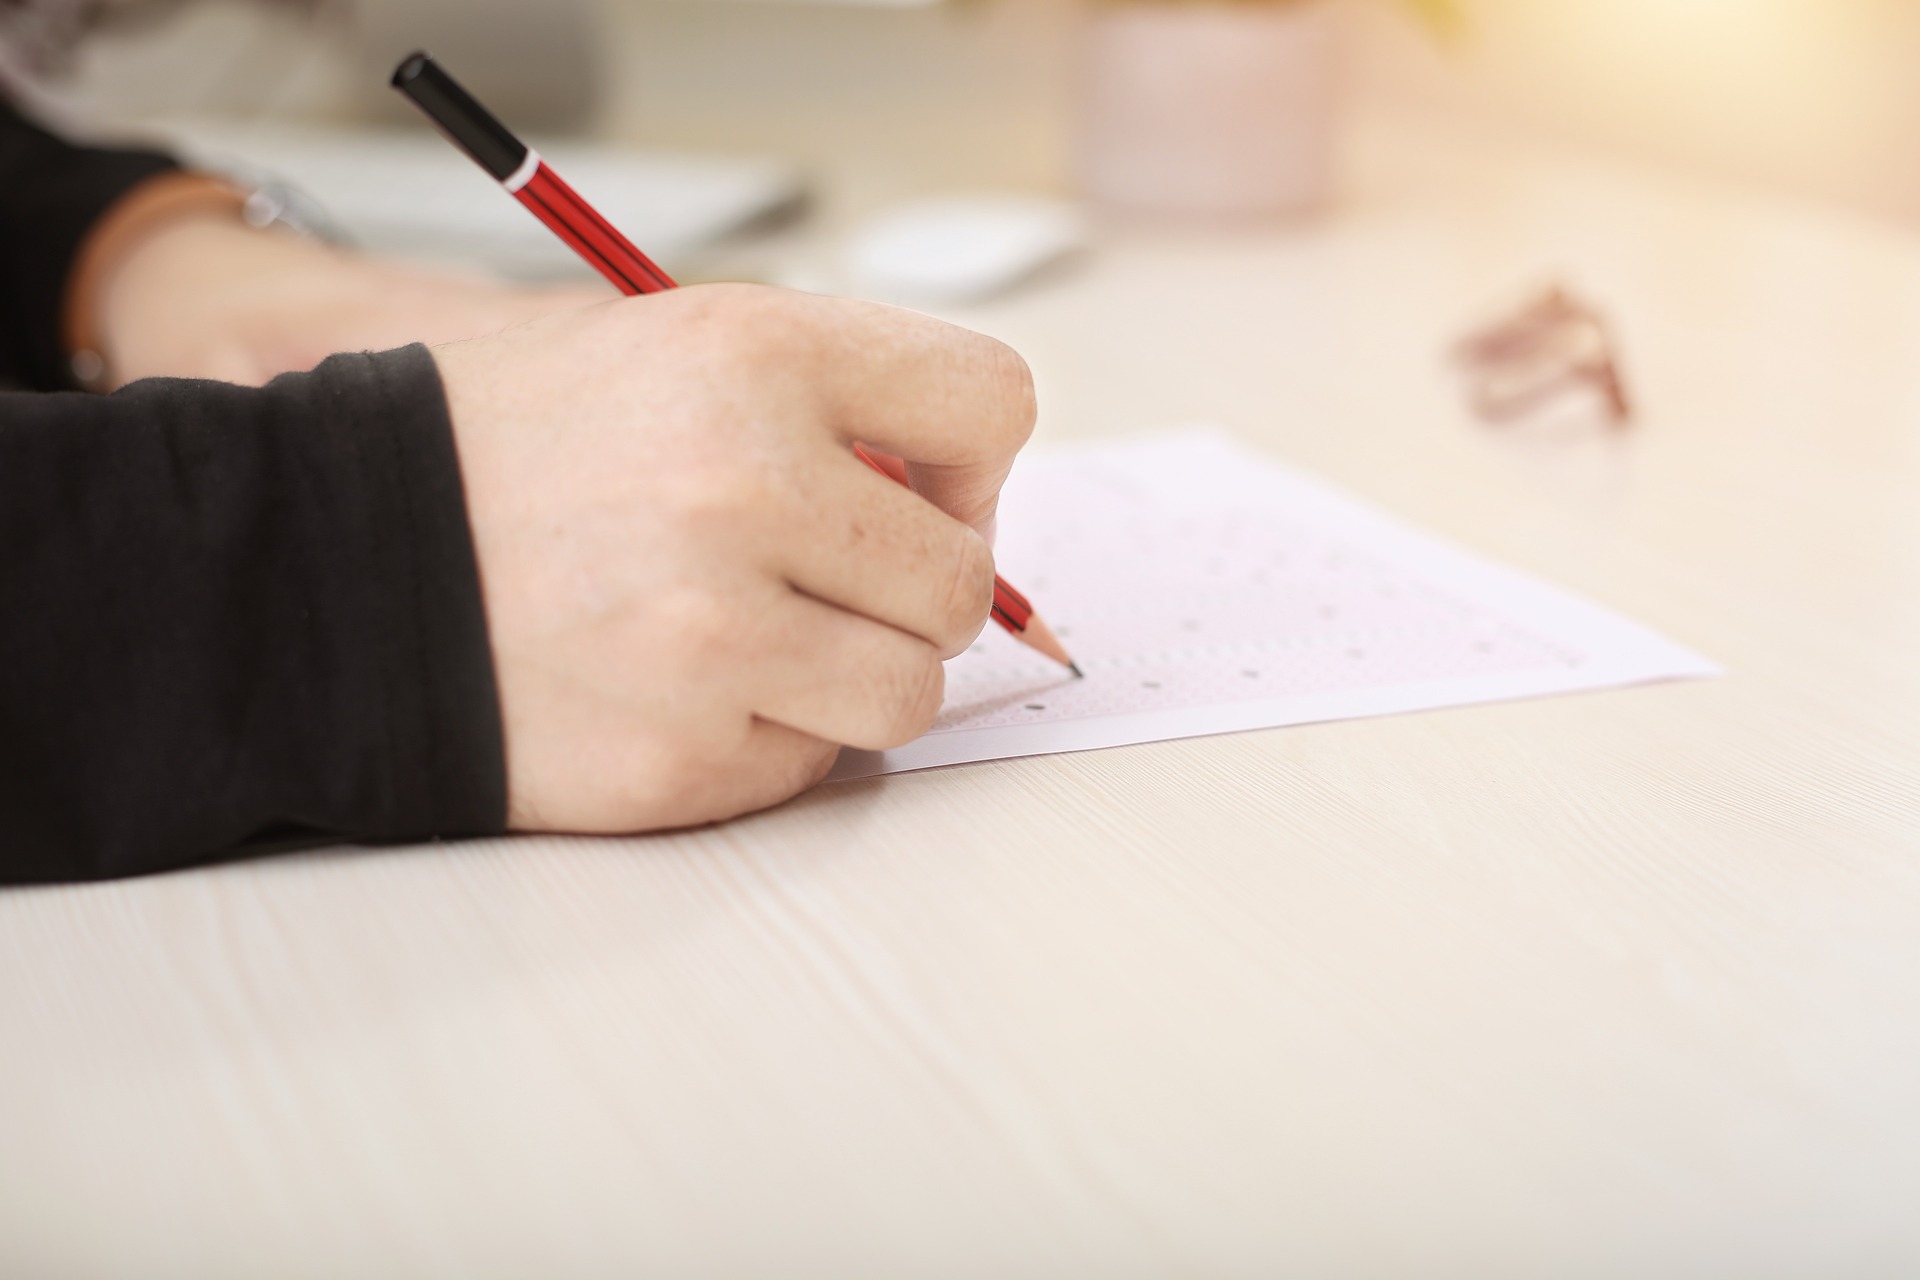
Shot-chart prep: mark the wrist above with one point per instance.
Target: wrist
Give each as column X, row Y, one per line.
column 206, row 294
column 121, row 235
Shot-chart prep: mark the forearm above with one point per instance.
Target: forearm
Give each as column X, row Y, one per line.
column 234, row 614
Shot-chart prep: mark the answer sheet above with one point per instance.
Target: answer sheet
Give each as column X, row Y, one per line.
column 1204, row 589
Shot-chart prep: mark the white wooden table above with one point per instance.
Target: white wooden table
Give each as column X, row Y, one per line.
column 1621, row 984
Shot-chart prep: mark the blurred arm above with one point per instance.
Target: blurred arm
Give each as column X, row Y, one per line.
column 144, row 270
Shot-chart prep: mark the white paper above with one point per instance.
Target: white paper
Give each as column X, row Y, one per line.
column 1206, row 590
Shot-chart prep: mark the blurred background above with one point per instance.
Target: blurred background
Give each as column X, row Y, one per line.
column 1811, row 95
column 857, row 105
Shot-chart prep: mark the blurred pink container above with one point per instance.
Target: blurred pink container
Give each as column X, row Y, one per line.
column 1209, row 110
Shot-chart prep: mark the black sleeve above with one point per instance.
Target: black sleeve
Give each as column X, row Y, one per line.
column 51, row 193
column 229, row 615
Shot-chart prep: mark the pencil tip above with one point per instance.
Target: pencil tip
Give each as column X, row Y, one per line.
column 1078, row 674
column 1039, row 635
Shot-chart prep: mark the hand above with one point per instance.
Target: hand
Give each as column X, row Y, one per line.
column 696, row 592
column 207, row 296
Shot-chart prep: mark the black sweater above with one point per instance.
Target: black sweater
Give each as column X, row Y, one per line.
column 230, row 618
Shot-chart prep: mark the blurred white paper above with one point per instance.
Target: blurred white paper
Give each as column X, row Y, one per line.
column 1206, row 590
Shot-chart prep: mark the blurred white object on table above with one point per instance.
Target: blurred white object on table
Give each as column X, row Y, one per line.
column 959, row 249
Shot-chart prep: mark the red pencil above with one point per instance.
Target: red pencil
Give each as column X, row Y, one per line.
column 527, row 178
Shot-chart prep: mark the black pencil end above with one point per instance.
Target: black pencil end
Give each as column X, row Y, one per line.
column 1078, row 674
column 471, row 126
column 409, row 70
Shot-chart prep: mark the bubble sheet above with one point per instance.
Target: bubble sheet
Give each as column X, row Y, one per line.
column 1205, row 590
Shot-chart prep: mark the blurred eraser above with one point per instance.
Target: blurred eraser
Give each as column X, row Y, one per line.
column 959, row 249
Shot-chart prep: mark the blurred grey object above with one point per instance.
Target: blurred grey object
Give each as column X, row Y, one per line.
column 41, row 35
column 120, row 61
column 535, row 62
column 41, row 38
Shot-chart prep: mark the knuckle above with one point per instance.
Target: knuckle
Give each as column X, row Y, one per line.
column 969, row 593
column 652, row 789
column 676, row 778
column 703, row 768
column 725, row 778
column 724, row 501
column 916, row 704
column 1015, row 401
column 700, row 623
column 808, row 762
column 726, row 302
column 821, row 759
column 735, row 324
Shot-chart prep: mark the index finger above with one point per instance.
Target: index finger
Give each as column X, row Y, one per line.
column 956, row 406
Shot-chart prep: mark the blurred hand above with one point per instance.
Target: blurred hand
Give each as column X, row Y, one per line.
column 696, row 592
column 210, row 297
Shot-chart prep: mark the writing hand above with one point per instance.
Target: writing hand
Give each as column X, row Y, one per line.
column 696, row 591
